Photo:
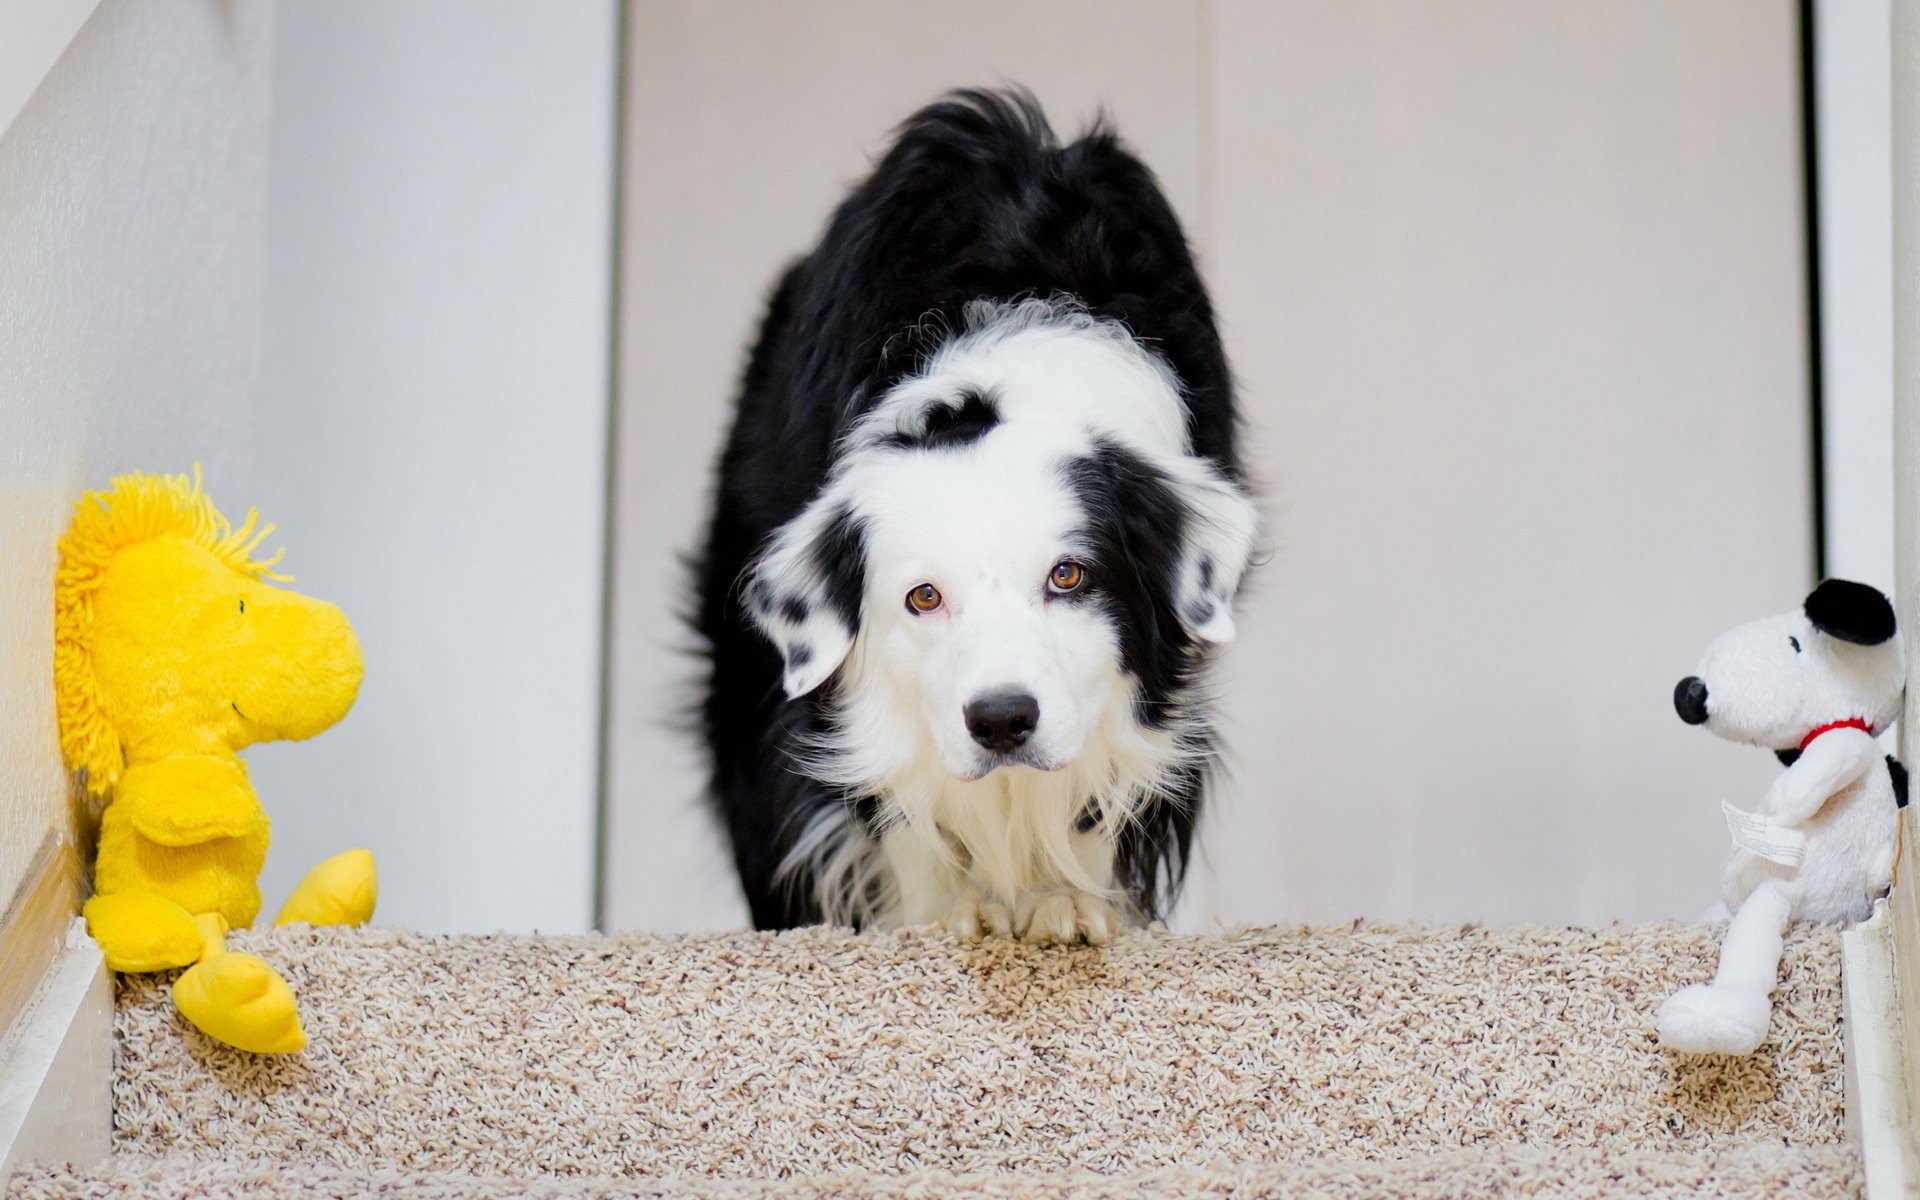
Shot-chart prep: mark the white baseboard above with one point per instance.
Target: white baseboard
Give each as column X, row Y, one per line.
column 56, row 1065
column 1880, row 1103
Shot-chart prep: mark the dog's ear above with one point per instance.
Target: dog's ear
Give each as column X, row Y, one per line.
column 1218, row 541
column 1852, row 612
column 804, row 592
column 1173, row 532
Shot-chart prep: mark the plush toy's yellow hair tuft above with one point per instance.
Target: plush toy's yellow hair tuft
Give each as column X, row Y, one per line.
column 135, row 508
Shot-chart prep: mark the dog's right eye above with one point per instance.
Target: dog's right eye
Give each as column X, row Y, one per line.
column 1066, row 576
column 923, row 599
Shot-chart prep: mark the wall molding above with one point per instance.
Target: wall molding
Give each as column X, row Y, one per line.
column 56, row 1064
column 1880, row 1091
column 35, row 923
column 56, row 1019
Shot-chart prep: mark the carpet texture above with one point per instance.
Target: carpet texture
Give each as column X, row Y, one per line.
column 815, row 1053
column 1805, row 1173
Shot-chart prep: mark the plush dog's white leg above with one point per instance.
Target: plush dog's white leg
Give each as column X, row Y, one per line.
column 1729, row 1015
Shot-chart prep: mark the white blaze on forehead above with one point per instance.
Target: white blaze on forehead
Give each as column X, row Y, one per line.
column 1047, row 363
column 1000, row 505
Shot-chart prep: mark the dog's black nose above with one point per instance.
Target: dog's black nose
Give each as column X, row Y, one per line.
column 1002, row 720
column 1690, row 699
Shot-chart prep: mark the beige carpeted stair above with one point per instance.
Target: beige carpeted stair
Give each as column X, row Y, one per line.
column 1355, row 1062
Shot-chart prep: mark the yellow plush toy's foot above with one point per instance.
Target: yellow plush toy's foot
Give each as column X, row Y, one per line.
column 139, row 931
column 340, row 891
column 238, row 999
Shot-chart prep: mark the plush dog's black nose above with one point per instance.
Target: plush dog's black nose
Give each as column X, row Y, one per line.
column 1002, row 720
column 1690, row 699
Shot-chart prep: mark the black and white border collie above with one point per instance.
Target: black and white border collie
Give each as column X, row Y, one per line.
column 979, row 521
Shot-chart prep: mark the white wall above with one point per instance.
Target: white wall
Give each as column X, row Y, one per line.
column 1855, row 176
column 1515, row 295
column 1904, row 126
column 1514, row 292
column 433, row 440
column 131, row 189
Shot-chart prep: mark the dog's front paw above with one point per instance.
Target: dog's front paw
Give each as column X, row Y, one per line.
column 976, row 917
column 1702, row 1019
column 1066, row 917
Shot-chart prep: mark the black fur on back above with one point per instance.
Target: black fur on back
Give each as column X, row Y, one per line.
column 976, row 199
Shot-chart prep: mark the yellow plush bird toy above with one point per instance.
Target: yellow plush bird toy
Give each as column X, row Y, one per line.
column 172, row 651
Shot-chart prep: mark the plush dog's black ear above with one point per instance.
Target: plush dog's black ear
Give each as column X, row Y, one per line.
column 1852, row 612
column 804, row 592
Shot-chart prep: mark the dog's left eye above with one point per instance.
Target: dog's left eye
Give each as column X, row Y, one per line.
column 1796, row 644
column 923, row 599
column 1067, row 576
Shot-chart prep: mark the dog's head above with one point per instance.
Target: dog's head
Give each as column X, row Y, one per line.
column 1015, row 555
column 1770, row 682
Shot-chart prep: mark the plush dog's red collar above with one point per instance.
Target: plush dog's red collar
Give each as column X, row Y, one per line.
column 1849, row 723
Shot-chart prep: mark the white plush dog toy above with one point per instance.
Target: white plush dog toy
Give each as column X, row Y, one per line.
column 1814, row 686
